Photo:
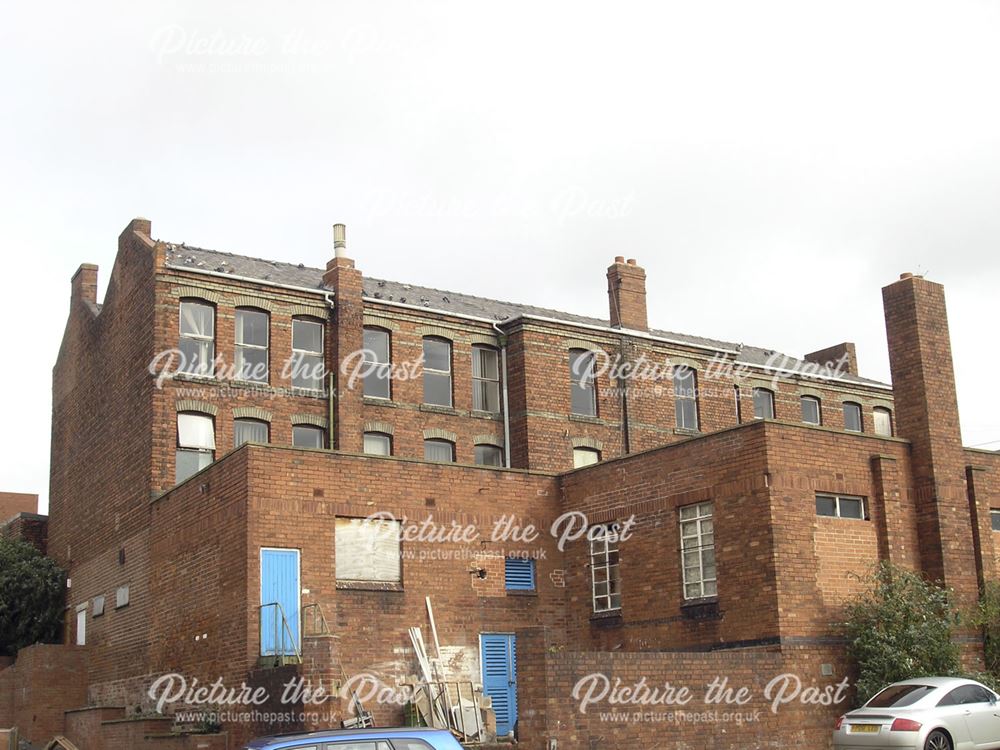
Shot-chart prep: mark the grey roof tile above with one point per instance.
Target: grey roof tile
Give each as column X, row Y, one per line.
column 200, row 259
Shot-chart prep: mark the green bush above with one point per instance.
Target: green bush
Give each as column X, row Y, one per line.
column 31, row 597
column 987, row 617
column 901, row 628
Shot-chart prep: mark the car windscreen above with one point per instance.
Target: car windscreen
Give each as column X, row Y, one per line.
column 898, row 696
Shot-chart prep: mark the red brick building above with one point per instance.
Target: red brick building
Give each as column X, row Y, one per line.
column 204, row 467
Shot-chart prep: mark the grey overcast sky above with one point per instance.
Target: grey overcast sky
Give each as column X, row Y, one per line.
column 771, row 164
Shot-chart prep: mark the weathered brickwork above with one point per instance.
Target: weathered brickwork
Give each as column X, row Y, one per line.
column 190, row 554
column 28, row 527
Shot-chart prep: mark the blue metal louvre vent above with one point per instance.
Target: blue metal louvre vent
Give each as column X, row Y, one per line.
column 519, row 574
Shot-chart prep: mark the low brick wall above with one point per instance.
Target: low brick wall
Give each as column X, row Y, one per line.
column 45, row 681
column 550, row 707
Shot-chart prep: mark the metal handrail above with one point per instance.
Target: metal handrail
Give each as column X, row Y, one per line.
column 281, row 629
column 318, row 620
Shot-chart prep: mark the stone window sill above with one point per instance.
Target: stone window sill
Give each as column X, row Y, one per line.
column 370, row 586
column 369, row 401
column 440, row 409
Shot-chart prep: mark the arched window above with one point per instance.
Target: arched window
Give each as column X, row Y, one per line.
column 686, row 399
column 197, row 337
column 437, row 371
column 489, row 455
column 251, row 344
column 583, row 398
column 811, row 412
column 436, row 449
column 250, row 431
column 763, row 403
column 485, row 379
column 378, row 444
column 882, row 419
column 308, row 436
column 585, row 457
column 308, row 368
column 852, row 417
column 378, row 363
column 195, row 444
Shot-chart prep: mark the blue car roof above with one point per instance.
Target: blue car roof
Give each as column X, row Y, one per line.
column 333, row 735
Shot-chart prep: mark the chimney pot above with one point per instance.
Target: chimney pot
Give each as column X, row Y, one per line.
column 619, row 259
column 631, row 261
column 340, row 240
column 905, row 276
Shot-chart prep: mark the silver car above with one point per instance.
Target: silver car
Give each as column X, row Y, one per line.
column 929, row 713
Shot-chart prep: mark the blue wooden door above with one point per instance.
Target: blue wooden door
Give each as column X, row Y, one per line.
column 499, row 657
column 279, row 585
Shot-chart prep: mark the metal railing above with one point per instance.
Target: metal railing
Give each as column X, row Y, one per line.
column 285, row 644
column 314, row 621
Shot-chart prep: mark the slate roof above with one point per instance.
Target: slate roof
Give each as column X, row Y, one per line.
column 289, row 274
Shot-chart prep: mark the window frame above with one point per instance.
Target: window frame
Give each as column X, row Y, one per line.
column 237, row 421
column 708, row 586
column 374, row 367
column 239, row 347
column 679, row 397
column 880, row 410
column 606, row 544
column 373, row 434
column 324, row 436
column 497, row 448
column 861, row 418
column 187, row 450
column 808, row 398
column 586, row 382
column 321, row 354
column 995, row 519
column 581, row 450
column 865, row 516
column 207, row 370
column 482, row 382
column 770, row 398
column 435, row 373
column 439, row 441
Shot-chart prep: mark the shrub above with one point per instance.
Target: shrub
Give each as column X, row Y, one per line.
column 901, row 628
column 987, row 617
column 31, row 597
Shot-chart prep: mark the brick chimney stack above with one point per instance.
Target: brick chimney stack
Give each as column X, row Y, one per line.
column 84, row 284
column 923, row 384
column 347, row 336
column 832, row 356
column 627, row 295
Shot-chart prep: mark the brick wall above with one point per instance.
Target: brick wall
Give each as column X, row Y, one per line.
column 782, row 569
column 12, row 503
column 45, row 681
column 552, row 681
column 28, row 527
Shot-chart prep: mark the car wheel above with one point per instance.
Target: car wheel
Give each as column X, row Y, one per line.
column 938, row 740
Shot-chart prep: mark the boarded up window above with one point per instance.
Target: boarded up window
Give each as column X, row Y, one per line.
column 368, row 550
